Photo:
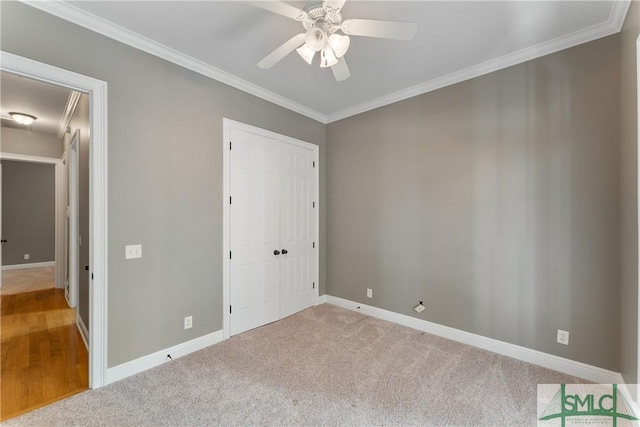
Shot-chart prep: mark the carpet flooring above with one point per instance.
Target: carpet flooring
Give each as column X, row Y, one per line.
column 322, row 366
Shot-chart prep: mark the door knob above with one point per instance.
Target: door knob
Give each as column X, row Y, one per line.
column 276, row 252
column 284, row 252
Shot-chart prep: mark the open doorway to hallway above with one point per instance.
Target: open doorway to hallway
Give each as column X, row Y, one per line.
column 45, row 259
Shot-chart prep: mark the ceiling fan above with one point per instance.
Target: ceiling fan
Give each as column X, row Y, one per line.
column 323, row 25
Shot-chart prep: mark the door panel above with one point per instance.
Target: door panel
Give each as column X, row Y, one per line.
column 296, row 216
column 254, row 272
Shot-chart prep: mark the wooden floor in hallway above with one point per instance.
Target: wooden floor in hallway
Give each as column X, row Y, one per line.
column 23, row 280
column 43, row 356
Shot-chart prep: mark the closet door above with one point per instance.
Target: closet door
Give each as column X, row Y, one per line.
column 254, row 231
column 272, row 267
column 297, row 267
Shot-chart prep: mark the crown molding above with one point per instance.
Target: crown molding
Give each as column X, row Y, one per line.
column 92, row 22
column 69, row 109
column 612, row 26
column 74, row 14
column 619, row 13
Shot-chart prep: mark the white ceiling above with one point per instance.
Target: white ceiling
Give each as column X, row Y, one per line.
column 24, row 95
column 456, row 40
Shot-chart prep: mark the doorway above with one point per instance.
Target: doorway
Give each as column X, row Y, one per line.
column 271, row 218
column 44, row 341
column 97, row 184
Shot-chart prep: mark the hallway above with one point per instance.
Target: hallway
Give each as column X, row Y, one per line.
column 44, row 358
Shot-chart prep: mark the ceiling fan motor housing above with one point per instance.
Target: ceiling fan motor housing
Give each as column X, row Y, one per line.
column 327, row 20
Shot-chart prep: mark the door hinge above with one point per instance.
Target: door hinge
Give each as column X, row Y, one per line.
column 314, row 204
column 91, row 276
column 229, row 199
column 314, row 285
column 314, row 245
column 229, row 145
column 229, row 309
column 314, row 164
column 229, row 254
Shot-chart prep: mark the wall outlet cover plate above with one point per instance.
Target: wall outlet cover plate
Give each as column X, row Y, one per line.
column 563, row 337
column 420, row 308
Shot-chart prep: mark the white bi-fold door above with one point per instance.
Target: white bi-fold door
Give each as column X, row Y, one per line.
column 272, row 224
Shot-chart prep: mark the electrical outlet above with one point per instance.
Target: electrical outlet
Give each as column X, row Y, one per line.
column 369, row 293
column 420, row 308
column 563, row 337
column 132, row 251
column 26, row 256
column 188, row 322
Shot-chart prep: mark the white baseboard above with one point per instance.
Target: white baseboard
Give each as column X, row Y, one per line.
column 84, row 333
column 159, row 357
column 322, row 299
column 29, row 265
column 550, row 361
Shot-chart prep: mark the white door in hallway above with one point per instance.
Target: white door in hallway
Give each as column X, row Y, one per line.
column 272, row 220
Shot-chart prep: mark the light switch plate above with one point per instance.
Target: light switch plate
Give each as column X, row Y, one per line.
column 132, row 251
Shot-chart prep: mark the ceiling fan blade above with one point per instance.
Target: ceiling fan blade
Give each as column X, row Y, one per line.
column 341, row 70
column 382, row 29
column 334, row 5
column 285, row 49
column 280, row 8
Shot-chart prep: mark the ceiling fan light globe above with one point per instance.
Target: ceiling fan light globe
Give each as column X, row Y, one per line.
column 327, row 58
column 306, row 53
column 339, row 44
column 315, row 39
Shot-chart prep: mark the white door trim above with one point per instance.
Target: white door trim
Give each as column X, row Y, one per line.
column 29, row 159
column 637, row 386
column 97, row 91
column 227, row 125
column 62, row 188
column 73, row 191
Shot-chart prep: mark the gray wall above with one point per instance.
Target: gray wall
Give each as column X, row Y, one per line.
column 629, row 197
column 165, row 177
column 80, row 121
column 495, row 201
column 18, row 141
column 28, row 212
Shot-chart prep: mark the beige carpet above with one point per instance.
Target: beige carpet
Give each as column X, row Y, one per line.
column 27, row 280
column 323, row 366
